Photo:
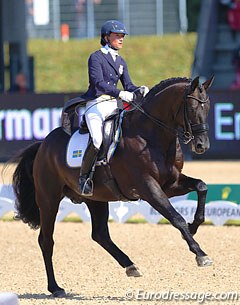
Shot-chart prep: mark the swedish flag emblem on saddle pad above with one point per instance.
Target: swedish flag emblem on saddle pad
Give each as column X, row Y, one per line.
column 76, row 148
column 77, row 153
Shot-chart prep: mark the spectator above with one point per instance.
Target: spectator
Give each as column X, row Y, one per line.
column 236, row 63
column 233, row 15
column 225, row 6
column 20, row 85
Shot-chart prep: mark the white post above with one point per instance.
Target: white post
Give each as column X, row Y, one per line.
column 90, row 19
column 183, row 16
column 159, row 17
column 56, row 19
column 123, row 13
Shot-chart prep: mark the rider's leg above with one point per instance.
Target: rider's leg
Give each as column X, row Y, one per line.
column 94, row 122
column 89, row 160
column 97, row 111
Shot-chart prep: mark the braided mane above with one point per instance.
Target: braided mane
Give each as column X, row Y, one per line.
column 165, row 83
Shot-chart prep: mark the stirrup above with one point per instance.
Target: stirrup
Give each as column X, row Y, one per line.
column 87, row 189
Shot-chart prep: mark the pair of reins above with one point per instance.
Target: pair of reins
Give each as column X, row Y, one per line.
column 190, row 130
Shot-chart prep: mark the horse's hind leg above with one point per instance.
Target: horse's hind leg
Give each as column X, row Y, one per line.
column 186, row 185
column 100, row 233
column 48, row 211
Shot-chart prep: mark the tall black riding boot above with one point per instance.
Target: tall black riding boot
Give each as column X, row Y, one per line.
column 89, row 160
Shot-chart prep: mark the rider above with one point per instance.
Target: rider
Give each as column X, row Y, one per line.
column 105, row 68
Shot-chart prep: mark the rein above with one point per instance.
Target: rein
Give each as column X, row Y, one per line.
column 187, row 135
column 153, row 119
column 189, row 130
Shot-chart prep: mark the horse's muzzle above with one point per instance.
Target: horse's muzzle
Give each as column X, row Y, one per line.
column 200, row 144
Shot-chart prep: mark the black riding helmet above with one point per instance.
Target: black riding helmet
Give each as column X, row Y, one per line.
column 112, row 26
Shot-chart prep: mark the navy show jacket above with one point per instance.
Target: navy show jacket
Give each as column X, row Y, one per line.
column 104, row 74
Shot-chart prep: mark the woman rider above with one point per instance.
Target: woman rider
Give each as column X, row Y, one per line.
column 105, row 68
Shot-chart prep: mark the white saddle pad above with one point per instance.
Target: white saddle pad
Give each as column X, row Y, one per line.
column 78, row 144
column 76, row 148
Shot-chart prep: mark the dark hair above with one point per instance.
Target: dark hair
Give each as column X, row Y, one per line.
column 103, row 41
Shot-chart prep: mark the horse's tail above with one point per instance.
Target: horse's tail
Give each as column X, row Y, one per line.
column 23, row 186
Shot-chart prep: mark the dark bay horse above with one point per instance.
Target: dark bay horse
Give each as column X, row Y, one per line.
column 147, row 164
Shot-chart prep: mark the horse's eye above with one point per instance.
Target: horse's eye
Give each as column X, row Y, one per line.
column 194, row 104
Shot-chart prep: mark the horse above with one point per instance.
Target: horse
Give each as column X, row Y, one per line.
column 147, row 164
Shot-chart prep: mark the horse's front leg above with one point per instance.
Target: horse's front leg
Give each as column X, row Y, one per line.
column 185, row 185
column 154, row 195
column 100, row 233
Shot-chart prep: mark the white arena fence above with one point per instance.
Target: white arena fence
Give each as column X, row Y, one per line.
column 218, row 212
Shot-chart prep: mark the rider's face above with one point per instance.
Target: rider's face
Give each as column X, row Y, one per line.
column 116, row 40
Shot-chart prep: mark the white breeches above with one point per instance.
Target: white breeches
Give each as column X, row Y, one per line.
column 96, row 112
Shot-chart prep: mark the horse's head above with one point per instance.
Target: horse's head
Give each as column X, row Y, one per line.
column 196, row 110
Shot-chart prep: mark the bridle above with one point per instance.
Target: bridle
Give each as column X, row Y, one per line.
column 192, row 129
column 189, row 130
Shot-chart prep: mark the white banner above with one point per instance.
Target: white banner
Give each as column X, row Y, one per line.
column 41, row 12
column 218, row 212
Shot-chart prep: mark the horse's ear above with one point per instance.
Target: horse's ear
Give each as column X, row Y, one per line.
column 208, row 83
column 194, row 83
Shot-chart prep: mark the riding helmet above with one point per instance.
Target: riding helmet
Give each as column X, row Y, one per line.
column 113, row 26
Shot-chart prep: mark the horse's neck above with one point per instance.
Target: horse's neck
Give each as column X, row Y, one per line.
column 140, row 130
column 166, row 104
column 147, row 129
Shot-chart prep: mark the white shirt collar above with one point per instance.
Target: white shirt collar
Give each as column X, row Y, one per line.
column 106, row 49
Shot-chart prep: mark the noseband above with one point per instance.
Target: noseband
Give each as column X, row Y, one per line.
column 190, row 130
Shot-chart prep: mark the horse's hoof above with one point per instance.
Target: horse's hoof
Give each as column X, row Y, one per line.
column 192, row 229
column 204, row 261
column 133, row 271
column 59, row 293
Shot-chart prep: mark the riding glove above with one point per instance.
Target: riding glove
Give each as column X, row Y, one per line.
column 145, row 90
column 126, row 96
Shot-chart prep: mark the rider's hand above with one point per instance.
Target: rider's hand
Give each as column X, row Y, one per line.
column 126, row 96
column 144, row 90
